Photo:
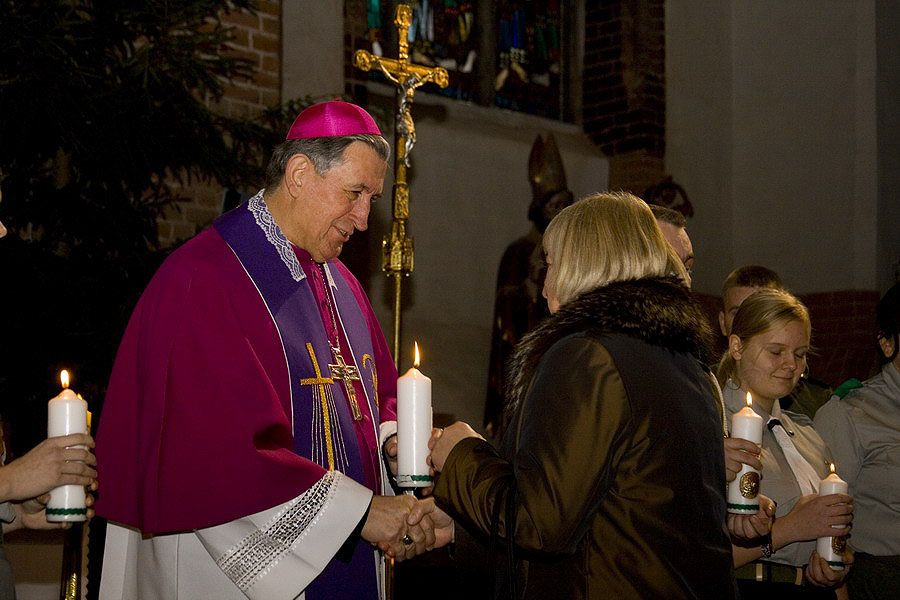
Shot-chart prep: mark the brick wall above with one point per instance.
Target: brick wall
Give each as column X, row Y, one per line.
column 843, row 335
column 623, row 88
column 257, row 37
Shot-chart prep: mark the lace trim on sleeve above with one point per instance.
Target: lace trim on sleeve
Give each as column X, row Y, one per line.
column 258, row 553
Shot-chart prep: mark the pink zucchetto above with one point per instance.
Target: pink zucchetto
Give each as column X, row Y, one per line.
column 334, row 118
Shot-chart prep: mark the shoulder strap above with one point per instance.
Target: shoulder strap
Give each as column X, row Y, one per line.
column 846, row 387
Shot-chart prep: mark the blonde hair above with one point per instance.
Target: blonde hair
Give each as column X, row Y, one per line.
column 606, row 237
column 762, row 311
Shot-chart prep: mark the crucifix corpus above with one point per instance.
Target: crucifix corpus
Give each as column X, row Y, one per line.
column 397, row 248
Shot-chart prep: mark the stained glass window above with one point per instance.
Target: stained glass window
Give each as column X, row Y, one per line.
column 511, row 54
column 528, row 64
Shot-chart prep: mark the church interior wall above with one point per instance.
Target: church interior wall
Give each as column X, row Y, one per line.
column 888, row 109
column 308, row 24
column 796, row 140
column 771, row 127
column 699, row 128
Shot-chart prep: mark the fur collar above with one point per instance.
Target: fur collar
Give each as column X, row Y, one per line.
column 659, row 311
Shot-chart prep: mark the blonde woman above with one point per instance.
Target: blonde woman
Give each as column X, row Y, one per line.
column 610, row 480
column 766, row 355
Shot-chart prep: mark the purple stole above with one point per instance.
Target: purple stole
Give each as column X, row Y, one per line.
column 323, row 425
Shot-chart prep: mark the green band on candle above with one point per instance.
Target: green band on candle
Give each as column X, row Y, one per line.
column 66, row 511
column 747, row 507
column 401, row 479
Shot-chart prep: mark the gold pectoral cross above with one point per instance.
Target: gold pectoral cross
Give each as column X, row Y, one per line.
column 341, row 371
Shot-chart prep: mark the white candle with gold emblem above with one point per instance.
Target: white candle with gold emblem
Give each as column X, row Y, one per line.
column 413, row 427
column 832, row 548
column 743, row 492
column 66, row 414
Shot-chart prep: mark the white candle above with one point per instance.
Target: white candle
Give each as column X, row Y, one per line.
column 66, row 414
column 832, row 548
column 743, row 491
column 413, row 428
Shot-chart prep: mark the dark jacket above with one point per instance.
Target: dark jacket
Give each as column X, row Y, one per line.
column 612, row 470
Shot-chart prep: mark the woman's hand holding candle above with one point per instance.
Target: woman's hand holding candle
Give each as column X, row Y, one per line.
column 31, row 514
column 444, row 440
column 51, row 463
column 750, row 527
column 740, row 452
column 815, row 516
column 820, row 574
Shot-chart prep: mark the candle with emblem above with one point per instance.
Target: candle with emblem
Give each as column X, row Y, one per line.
column 743, row 492
column 832, row 548
column 66, row 414
column 413, row 427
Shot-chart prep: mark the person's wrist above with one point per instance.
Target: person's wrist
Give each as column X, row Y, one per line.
column 766, row 546
column 5, row 484
column 779, row 535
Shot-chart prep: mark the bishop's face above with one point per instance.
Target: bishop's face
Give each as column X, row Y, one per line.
column 327, row 209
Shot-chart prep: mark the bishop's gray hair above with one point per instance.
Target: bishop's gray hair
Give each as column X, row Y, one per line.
column 324, row 152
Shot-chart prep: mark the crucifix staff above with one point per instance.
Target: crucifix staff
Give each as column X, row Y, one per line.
column 397, row 248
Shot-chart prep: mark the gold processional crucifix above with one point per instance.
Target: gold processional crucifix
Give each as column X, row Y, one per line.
column 397, row 248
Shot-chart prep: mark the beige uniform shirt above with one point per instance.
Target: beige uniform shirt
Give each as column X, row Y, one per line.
column 863, row 432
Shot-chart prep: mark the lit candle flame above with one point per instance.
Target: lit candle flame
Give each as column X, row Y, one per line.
column 64, row 378
column 416, row 362
column 749, row 399
column 832, row 467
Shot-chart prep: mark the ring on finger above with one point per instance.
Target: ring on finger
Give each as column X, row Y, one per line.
column 407, row 541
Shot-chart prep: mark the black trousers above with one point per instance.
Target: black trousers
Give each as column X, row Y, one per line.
column 764, row 590
column 874, row 577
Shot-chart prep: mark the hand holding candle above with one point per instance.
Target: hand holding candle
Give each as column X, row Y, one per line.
column 443, row 441
column 744, row 489
column 413, row 427
column 832, row 548
column 66, row 414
